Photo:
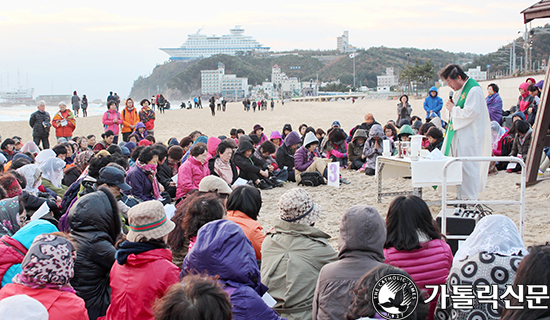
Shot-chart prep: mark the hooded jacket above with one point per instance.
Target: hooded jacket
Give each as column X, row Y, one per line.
column 136, row 284
column 292, row 256
column 369, row 150
column 13, row 249
column 285, row 127
column 190, row 175
column 285, row 155
column 525, row 100
column 246, row 165
column 223, row 250
column 355, row 151
column 433, row 105
column 95, row 225
column 40, row 123
column 360, row 249
column 211, row 147
column 129, row 118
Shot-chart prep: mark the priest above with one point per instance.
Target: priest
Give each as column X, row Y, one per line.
column 469, row 130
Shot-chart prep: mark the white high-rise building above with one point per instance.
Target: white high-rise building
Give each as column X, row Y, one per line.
column 342, row 43
column 286, row 84
column 477, row 74
column 216, row 82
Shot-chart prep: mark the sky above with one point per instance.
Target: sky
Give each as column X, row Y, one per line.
column 99, row 46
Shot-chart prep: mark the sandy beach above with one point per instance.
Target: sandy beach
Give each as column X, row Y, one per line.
column 362, row 190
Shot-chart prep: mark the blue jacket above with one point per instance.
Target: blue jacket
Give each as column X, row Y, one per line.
column 433, row 104
column 26, row 236
column 222, row 249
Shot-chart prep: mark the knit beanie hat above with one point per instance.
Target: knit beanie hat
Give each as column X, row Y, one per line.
column 296, row 206
column 148, row 220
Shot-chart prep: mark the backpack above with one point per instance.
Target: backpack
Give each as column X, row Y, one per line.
column 311, row 179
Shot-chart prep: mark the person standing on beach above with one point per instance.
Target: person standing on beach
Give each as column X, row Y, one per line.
column 212, row 105
column 111, row 97
column 64, row 122
column 40, row 123
column 117, row 101
column 112, row 120
column 130, row 119
column 84, row 106
column 75, row 100
column 469, row 130
column 147, row 116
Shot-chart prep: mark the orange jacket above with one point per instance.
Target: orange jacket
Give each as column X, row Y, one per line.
column 129, row 118
column 252, row 229
column 64, row 131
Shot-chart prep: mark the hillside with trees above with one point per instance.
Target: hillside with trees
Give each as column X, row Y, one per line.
column 180, row 80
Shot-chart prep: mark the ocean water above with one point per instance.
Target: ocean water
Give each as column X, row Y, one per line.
column 23, row 112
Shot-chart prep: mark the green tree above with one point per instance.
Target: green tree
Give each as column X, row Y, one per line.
column 417, row 74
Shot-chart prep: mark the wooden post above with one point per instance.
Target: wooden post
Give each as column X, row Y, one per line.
column 540, row 137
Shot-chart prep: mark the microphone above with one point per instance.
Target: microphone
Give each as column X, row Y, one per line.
column 451, row 93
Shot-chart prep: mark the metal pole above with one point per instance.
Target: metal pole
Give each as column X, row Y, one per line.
column 353, row 71
column 514, row 57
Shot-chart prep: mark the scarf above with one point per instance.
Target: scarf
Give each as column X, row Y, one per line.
column 49, row 264
column 223, row 169
column 127, row 248
column 82, row 160
column 468, row 85
column 151, row 172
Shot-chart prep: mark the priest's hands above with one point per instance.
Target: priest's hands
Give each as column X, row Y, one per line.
column 449, row 105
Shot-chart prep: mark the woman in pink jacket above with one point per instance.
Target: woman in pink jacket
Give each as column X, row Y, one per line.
column 415, row 244
column 112, row 120
column 192, row 170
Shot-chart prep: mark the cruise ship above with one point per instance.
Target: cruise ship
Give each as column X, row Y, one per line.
column 201, row 46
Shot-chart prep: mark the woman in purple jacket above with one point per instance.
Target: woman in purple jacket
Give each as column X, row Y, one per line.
column 307, row 159
column 143, row 178
column 494, row 103
column 223, row 250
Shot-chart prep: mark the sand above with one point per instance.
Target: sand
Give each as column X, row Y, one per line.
column 334, row 201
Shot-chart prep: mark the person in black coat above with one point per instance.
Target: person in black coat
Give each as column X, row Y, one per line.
column 95, row 226
column 164, row 171
column 246, row 162
column 41, row 123
column 285, row 154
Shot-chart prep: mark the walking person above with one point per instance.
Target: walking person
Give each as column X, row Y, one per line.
column 64, row 122
column 84, row 106
column 153, row 102
column 212, row 105
column 224, row 102
column 75, row 100
column 41, row 123
column 161, row 102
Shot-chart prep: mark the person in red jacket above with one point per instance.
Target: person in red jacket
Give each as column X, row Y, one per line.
column 14, row 248
column 46, row 270
column 414, row 244
column 144, row 270
column 64, row 122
